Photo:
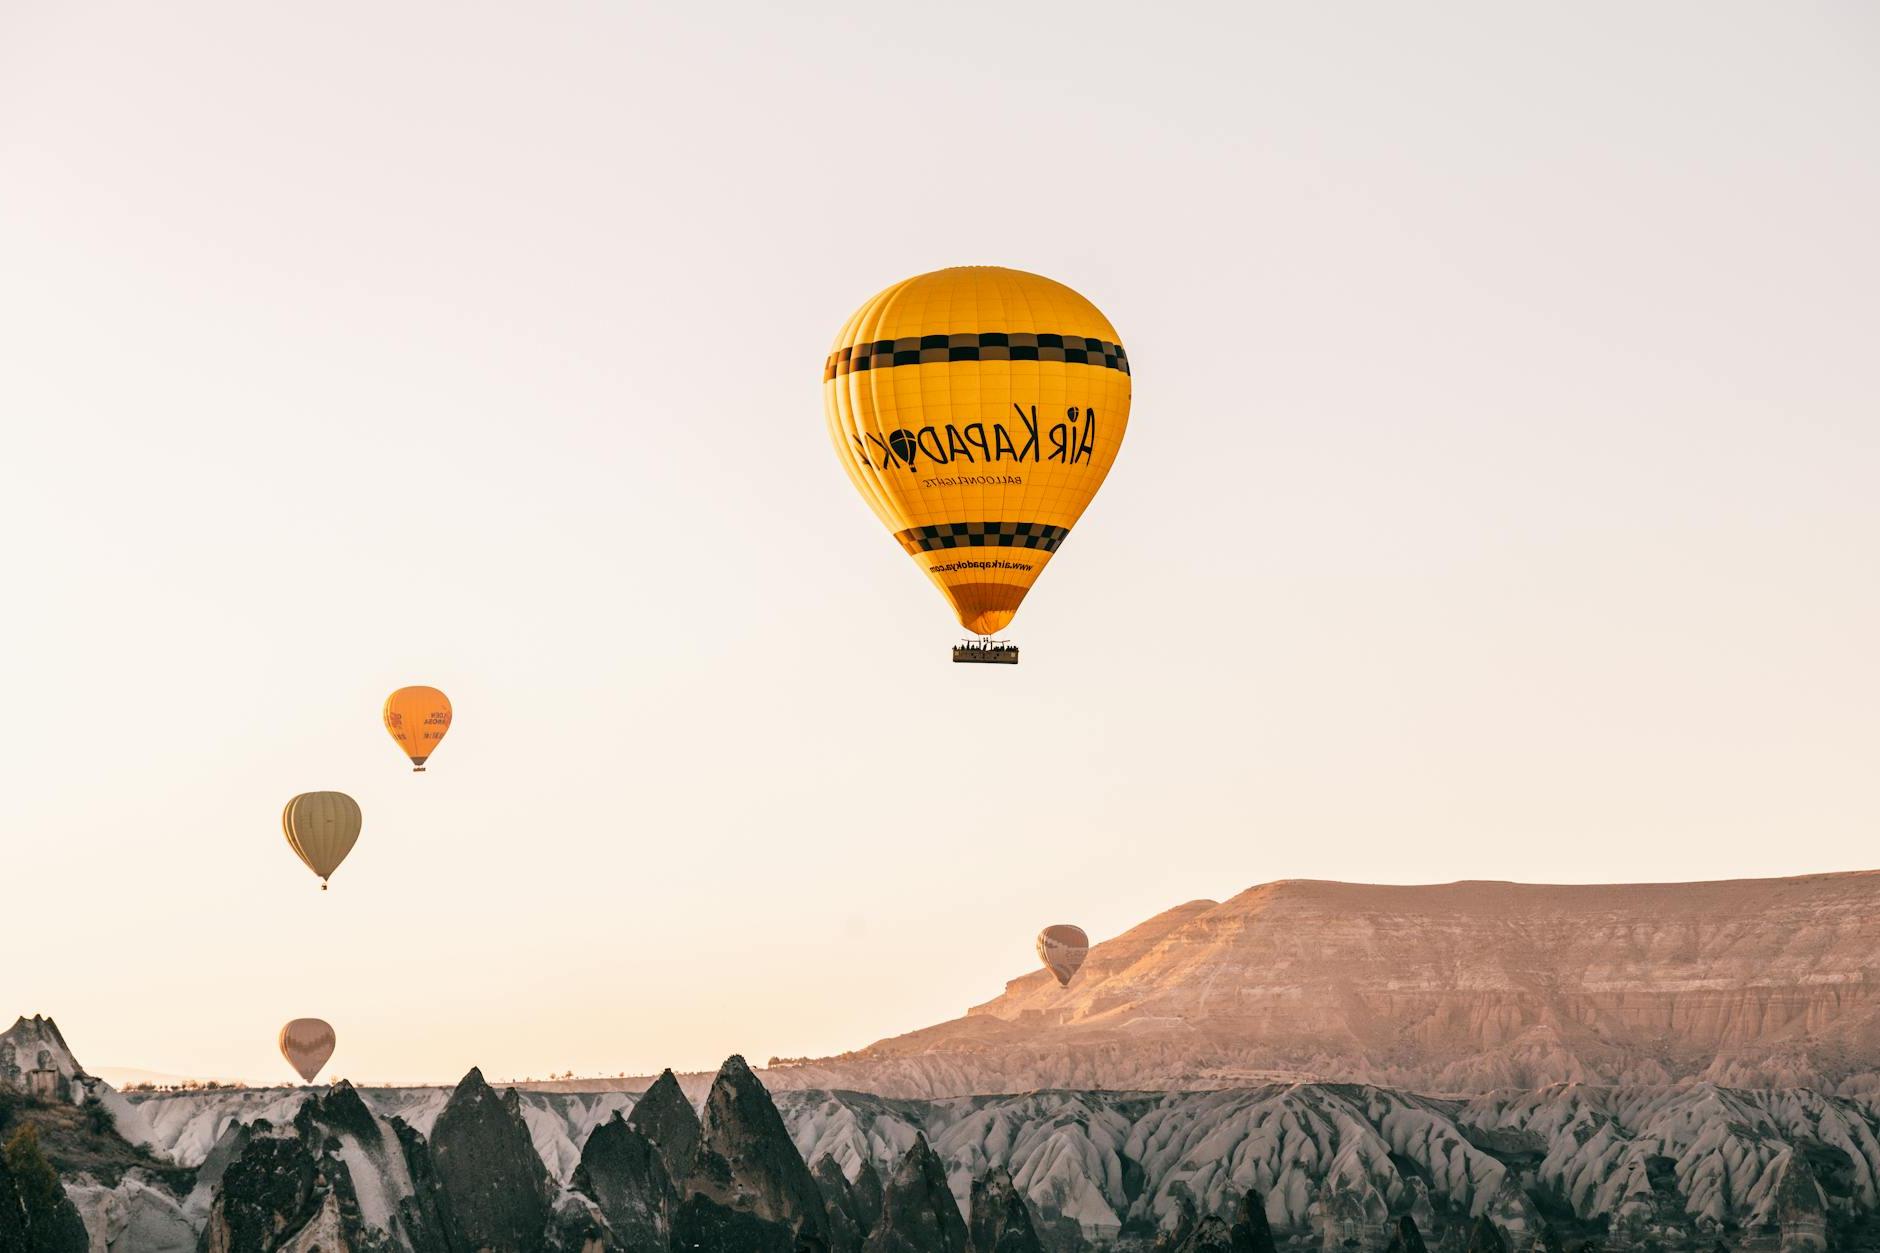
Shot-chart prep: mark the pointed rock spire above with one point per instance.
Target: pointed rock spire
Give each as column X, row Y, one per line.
column 845, row 1225
column 622, row 1172
column 865, row 1188
column 664, row 1116
column 1001, row 1220
column 1484, row 1237
column 1406, row 1238
column 746, row 1161
column 486, row 1161
column 1251, row 1234
column 1211, row 1236
column 918, row 1212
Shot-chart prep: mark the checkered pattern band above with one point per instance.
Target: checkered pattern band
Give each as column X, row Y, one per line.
column 881, row 354
column 921, row 539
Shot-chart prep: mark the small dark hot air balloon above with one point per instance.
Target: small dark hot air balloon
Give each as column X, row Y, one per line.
column 306, row 1043
column 1062, row 949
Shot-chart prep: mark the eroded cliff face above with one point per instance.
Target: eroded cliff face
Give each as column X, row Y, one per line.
column 1457, row 988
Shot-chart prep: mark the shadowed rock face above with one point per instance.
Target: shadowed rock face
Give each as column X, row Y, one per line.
column 918, row 1212
column 1484, row 1238
column 1406, row 1239
column 858, row 1203
column 497, row 1188
column 1211, row 1236
column 338, row 1109
column 865, row 1192
column 575, row 1225
column 746, row 1161
column 1252, row 1235
column 622, row 1173
column 845, row 1229
column 701, row 1225
column 425, row 1214
column 272, row 1190
column 664, row 1116
column 1001, row 1221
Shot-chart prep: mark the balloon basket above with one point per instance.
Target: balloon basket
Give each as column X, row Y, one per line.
column 986, row 653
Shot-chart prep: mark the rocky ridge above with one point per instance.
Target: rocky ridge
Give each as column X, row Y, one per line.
column 1623, row 1165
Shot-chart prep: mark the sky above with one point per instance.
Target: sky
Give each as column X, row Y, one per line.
column 1499, row 499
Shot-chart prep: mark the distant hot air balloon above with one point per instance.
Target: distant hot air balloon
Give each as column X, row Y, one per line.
column 306, row 1043
column 1062, row 949
column 321, row 828
column 977, row 410
column 417, row 717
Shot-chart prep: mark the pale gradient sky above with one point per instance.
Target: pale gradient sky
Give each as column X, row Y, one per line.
column 1499, row 500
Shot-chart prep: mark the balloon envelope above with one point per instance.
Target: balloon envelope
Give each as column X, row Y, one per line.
column 321, row 828
column 977, row 410
column 1062, row 949
column 417, row 718
column 306, row 1043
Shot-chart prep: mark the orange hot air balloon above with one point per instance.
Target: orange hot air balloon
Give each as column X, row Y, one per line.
column 417, row 718
column 306, row 1043
column 1062, row 948
column 977, row 410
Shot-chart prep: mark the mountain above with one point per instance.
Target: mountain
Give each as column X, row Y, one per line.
column 1458, row 988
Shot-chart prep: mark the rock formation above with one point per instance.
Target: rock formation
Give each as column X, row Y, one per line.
column 918, row 1212
column 497, row 1188
column 664, row 1116
column 1211, row 1235
column 1252, row 1235
column 36, row 1062
column 865, row 1189
column 273, row 1189
column 746, row 1163
column 1000, row 1219
column 424, row 1215
column 838, row 1195
column 1801, row 1209
column 1485, row 1238
column 1407, row 1238
column 1675, row 1164
column 622, row 1172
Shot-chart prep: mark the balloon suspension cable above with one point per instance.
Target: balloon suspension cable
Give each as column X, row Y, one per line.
column 980, row 651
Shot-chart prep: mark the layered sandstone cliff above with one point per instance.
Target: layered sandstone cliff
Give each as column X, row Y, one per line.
column 1459, row 987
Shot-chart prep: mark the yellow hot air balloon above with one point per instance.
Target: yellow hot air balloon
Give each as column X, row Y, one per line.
column 321, row 828
column 417, row 718
column 978, row 410
column 1062, row 948
column 306, row 1043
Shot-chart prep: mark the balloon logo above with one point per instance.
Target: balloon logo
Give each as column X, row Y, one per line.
column 417, row 717
column 321, row 828
column 306, row 1043
column 977, row 411
column 1062, row 949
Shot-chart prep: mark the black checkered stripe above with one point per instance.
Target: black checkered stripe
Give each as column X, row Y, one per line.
column 882, row 354
column 923, row 539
